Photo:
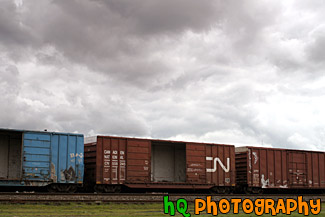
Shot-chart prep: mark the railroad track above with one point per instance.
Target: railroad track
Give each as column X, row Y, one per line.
column 131, row 198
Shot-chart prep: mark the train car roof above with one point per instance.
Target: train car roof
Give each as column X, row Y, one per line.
column 38, row 131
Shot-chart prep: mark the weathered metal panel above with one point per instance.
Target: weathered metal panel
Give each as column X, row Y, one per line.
column 67, row 158
column 322, row 170
column 297, row 167
column 40, row 158
column 138, row 167
column 266, row 168
column 196, row 163
column 54, row 175
column 109, row 156
column 53, row 157
column 226, row 162
column 63, row 155
column 281, row 168
column 210, row 164
column 90, row 162
column 36, row 156
column 80, row 159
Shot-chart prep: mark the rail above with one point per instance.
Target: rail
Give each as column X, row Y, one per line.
column 132, row 198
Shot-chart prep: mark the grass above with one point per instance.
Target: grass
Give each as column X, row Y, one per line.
column 116, row 210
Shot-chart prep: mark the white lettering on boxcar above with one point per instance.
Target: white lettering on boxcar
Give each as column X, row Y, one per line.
column 107, row 159
column 195, row 165
column 80, row 155
column 122, row 166
column 215, row 160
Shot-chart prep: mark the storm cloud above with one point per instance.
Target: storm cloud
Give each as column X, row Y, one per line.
column 243, row 73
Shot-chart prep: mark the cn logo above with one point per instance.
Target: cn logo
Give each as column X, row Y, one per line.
column 215, row 160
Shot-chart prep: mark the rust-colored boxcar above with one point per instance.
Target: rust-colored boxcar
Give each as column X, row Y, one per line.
column 259, row 168
column 113, row 162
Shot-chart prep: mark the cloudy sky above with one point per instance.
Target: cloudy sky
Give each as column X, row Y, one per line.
column 236, row 72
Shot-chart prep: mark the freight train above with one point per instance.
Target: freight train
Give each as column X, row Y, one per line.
column 62, row 162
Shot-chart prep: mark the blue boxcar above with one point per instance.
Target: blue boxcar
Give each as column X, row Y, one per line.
column 40, row 158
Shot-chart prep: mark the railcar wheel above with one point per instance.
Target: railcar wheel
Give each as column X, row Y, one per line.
column 62, row 188
column 220, row 190
column 72, row 189
column 223, row 190
column 112, row 188
column 118, row 189
column 109, row 189
column 51, row 188
column 99, row 188
column 248, row 190
column 259, row 191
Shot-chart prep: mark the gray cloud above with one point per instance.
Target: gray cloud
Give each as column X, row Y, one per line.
column 218, row 71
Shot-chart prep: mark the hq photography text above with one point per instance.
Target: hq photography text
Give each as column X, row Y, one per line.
column 247, row 206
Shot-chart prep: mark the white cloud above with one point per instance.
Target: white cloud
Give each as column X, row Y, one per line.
column 223, row 71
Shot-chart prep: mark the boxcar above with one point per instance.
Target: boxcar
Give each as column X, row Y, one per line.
column 39, row 158
column 114, row 162
column 264, row 168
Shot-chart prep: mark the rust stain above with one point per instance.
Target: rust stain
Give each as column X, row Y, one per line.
column 62, row 176
column 53, row 173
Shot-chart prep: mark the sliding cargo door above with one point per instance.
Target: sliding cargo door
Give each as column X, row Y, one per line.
column 138, row 160
column 36, row 161
column 66, row 158
column 196, row 163
column 297, row 168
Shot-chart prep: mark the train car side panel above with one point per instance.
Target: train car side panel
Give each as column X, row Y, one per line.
column 109, row 156
column 322, row 170
column 138, row 163
column 220, row 165
column 36, row 157
column 90, row 159
column 210, row 164
column 280, row 168
column 195, row 163
column 67, row 158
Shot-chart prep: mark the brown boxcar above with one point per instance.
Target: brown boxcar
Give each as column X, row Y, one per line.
column 113, row 162
column 260, row 168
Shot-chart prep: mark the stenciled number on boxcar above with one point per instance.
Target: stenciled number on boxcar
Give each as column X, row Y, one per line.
column 107, row 163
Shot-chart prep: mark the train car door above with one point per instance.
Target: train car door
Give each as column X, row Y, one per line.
column 297, row 169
